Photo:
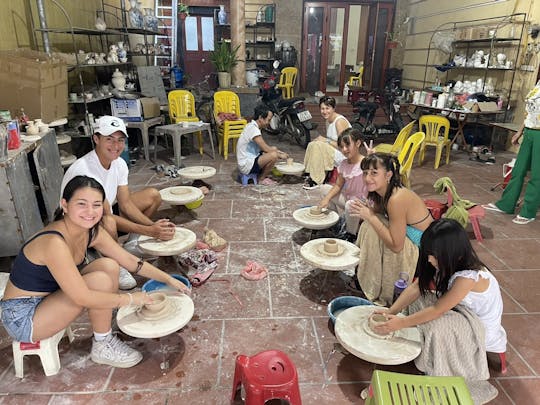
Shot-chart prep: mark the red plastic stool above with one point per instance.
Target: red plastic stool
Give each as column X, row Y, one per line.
column 436, row 208
column 265, row 376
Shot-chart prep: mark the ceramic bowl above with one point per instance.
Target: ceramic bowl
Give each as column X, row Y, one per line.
column 159, row 301
column 154, row 285
column 340, row 304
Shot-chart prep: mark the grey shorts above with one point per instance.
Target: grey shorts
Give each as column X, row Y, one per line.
column 17, row 317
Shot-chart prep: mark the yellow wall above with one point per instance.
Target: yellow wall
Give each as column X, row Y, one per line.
column 432, row 15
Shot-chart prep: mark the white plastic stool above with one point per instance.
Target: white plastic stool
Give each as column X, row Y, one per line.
column 46, row 349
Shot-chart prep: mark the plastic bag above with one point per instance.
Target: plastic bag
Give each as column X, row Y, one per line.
column 444, row 40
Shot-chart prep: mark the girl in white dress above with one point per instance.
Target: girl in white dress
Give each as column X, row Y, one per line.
column 448, row 264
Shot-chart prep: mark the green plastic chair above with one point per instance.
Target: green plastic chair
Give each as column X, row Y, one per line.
column 394, row 388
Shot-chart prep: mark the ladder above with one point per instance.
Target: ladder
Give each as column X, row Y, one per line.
column 166, row 11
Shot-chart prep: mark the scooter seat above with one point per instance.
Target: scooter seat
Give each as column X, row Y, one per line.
column 365, row 107
column 289, row 101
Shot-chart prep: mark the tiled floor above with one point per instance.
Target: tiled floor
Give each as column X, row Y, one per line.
column 284, row 311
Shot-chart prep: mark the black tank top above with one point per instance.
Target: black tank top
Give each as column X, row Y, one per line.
column 33, row 277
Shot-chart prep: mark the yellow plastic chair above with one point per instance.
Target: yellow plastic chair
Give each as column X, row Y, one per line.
column 356, row 80
column 287, row 80
column 228, row 102
column 396, row 388
column 182, row 109
column 433, row 125
column 406, row 156
column 398, row 143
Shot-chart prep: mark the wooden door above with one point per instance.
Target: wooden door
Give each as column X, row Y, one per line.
column 196, row 44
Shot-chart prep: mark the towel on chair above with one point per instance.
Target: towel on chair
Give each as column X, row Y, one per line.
column 455, row 345
column 459, row 207
column 319, row 158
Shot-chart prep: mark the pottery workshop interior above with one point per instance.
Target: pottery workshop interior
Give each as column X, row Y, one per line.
column 269, row 202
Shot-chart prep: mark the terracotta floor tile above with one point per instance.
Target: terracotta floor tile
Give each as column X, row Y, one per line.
column 518, row 285
column 516, row 254
column 19, row 399
column 154, row 397
column 522, row 390
column 239, row 229
column 257, row 209
column 275, row 256
column 280, row 229
column 523, row 332
column 215, row 209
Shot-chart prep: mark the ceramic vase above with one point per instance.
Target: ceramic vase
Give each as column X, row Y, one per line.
column 150, row 20
column 118, row 80
column 224, row 79
column 122, row 53
column 32, row 128
column 135, row 14
column 222, row 15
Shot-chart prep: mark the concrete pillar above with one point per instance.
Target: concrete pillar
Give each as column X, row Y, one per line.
column 238, row 38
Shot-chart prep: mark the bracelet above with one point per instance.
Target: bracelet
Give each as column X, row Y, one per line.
column 328, row 140
column 130, row 299
column 139, row 266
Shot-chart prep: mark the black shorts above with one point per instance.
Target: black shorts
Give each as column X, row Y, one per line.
column 256, row 169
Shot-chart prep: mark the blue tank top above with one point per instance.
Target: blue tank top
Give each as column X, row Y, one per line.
column 33, row 277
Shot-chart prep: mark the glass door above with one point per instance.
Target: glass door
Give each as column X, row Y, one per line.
column 341, row 40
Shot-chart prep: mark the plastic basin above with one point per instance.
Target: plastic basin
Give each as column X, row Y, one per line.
column 340, row 304
column 152, row 285
column 195, row 204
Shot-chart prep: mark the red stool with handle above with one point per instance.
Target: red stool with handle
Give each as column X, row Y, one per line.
column 265, row 376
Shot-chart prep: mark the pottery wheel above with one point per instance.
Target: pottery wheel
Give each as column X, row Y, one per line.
column 350, row 331
column 176, row 315
column 306, row 219
column 312, row 252
column 180, row 195
column 30, row 138
column 294, row 169
column 62, row 138
column 183, row 240
column 67, row 160
column 197, row 172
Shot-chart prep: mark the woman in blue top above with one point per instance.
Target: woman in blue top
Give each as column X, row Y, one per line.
column 394, row 218
column 51, row 282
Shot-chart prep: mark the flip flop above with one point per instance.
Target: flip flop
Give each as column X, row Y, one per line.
column 492, row 207
column 254, row 271
column 522, row 220
column 199, row 279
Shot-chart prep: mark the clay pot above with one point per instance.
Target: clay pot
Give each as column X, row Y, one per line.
column 159, row 303
column 315, row 211
column 32, row 128
column 290, row 161
column 118, row 80
column 375, row 320
column 331, row 246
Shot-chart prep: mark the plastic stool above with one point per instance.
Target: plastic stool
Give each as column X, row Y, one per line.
column 265, row 376
column 46, row 349
column 244, row 178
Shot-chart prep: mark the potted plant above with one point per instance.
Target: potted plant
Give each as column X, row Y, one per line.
column 183, row 11
column 392, row 40
column 224, row 58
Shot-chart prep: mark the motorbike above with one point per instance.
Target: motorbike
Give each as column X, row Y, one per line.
column 290, row 116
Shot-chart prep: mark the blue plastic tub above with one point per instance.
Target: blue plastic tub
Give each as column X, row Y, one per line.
column 152, row 285
column 340, row 304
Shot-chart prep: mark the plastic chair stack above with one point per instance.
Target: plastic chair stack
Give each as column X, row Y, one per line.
column 265, row 376
column 432, row 126
column 406, row 156
column 228, row 102
column 395, row 388
column 287, row 80
column 182, row 109
column 398, row 143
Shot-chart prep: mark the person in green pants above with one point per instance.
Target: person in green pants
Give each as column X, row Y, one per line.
column 528, row 159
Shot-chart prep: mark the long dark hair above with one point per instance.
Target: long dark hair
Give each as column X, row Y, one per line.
column 389, row 163
column 447, row 241
column 76, row 183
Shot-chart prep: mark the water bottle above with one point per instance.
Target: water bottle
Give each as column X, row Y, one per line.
column 177, row 77
column 400, row 285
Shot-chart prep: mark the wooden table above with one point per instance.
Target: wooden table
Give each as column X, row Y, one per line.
column 177, row 130
column 143, row 126
column 461, row 117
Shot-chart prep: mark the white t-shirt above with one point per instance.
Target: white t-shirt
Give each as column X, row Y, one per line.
column 331, row 133
column 247, row 149
column 89, row 165
column 532, row 106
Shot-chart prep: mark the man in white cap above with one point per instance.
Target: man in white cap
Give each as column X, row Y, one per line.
column 135, row 209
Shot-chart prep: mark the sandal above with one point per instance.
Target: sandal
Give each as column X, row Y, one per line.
column 522, row 220
column 492, row 207
column 199, row 279
column 201, row 183
column 254, row 271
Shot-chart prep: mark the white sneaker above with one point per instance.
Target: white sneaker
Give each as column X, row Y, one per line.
column 132, row 246
column 126, row 280
column 113, row 352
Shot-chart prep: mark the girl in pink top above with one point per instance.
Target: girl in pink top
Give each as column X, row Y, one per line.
column 350, row 182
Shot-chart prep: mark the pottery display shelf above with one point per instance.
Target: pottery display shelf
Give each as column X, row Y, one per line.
column 291, row 169
column 352, row 331
column 197, row 172
column 141, row 323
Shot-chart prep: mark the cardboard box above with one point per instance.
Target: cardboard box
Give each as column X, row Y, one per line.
column 34, row 81
column 481, row 107
column 135, row 110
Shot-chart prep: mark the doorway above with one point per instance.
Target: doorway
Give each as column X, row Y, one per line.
column 342, row 39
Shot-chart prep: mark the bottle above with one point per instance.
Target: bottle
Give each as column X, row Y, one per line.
column 260, row 16
column 400, row 285
column 500, row 103
column 23, row 119
column 450, row 101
